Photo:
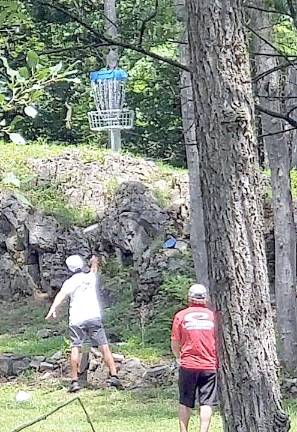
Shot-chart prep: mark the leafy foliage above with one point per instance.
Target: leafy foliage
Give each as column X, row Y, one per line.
column 152, row 91
column 24, row 87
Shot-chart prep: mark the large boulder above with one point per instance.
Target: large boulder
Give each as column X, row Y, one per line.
column 133, row 220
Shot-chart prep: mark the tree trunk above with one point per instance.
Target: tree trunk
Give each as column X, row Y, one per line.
column 112, row 58
column 277, row 146
column 250, row 394
column 198, row 245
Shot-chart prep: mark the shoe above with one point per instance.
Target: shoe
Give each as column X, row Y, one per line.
column 114, row 381
column 74, row 387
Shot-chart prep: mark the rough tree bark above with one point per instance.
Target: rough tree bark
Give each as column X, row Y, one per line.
column 250, row 394
column 277, row 146
column 197, row 235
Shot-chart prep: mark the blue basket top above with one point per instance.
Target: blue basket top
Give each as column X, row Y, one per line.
column 109, row 74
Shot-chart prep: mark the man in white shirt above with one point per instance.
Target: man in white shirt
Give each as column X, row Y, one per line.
column 84, row 315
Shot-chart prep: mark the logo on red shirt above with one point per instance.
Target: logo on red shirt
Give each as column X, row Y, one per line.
column 197, row 321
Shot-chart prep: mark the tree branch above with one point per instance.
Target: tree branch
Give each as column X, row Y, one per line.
column 272, row 70
column 293, row 11
column 113, row 42
column 271, row 55
column 264, row 74
column 275, row 114
column 291, row 110
column 267, row 42
column 151, row 16
column 273, row 11
column 276, row 133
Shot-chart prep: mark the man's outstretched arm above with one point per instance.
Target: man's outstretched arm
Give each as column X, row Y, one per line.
column 60, row 297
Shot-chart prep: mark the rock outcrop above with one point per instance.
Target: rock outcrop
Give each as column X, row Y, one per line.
column 33, row 249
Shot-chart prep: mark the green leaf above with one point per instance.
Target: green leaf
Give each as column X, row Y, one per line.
column 32, row 59
column 24, row 73
column 36, row 95
column 17, row 119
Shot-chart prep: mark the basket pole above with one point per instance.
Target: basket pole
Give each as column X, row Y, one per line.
column 115, row 139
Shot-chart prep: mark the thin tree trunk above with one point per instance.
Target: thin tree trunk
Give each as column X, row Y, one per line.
column 250, row 394
column 278, row 151
column 112, row 58
column 196, row 206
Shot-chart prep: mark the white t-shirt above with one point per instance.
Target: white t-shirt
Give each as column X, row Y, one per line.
column 84, row 297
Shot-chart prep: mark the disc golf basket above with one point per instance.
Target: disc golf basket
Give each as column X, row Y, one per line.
column 108, row 88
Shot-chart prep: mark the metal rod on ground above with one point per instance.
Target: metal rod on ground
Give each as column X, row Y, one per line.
column 45, row 416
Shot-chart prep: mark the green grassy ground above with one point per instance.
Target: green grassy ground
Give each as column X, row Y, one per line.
column 110, row 411
column 19, row 327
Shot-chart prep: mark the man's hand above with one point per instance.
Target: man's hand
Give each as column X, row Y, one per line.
column 95, row 263
column 51, row 315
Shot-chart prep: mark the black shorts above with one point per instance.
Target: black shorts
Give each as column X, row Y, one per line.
column 89, row 331
column 197, row 384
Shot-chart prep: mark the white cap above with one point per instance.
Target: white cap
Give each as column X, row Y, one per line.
column 74, row 263
column 197, row 291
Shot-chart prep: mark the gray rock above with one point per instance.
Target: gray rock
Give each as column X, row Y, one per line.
column 35, row 364
column 132, row 364
column 46, row 375
column 158, row 370
column 181, row 245
column 5, row 365
column 19, row 366
column 57, row 356
column 39, row 358
column 118, row 358
column 46, row 366
column 44, row 333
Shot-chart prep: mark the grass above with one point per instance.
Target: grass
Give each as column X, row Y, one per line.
column 110, row 411
column 19, row 324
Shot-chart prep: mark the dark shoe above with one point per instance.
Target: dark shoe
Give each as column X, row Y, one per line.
column 74, row 387
column 114, row 381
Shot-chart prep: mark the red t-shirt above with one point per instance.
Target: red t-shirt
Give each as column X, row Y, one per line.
column 194, row 329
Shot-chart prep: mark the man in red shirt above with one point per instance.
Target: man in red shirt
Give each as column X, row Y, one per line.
column 193, row 344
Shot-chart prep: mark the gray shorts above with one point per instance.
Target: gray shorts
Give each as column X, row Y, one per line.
column 91, row 331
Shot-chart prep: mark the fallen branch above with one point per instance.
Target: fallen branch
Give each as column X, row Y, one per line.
column 45, row 416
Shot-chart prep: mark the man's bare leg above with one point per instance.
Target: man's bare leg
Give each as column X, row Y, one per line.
column 184, row 414
column 205, row 417
column 108, row 359
column 74, row 363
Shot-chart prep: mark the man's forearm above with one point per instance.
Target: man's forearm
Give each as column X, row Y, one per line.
column 60, row 297
column 175, row 347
